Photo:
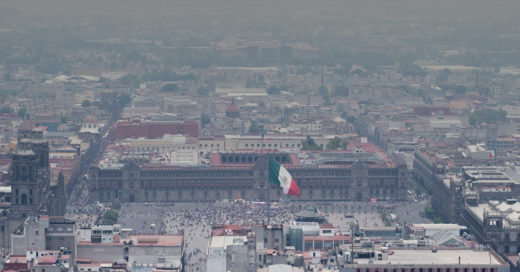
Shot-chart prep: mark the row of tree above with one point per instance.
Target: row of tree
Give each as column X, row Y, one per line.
column 489, row 116
column 334, row 144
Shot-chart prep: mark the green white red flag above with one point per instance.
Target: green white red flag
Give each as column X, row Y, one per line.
column 280, row 176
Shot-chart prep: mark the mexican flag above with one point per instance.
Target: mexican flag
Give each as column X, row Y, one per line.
column 279, row 175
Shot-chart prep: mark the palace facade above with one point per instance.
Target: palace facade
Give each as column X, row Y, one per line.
column 336, row 176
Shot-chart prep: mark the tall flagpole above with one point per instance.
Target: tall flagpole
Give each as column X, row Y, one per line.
column 268, row 181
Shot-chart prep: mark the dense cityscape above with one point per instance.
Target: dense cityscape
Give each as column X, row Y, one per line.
column 368, row 136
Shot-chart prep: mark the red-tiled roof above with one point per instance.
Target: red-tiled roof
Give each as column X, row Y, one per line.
column 157, row 240
column 49, row 259
column 17, row 259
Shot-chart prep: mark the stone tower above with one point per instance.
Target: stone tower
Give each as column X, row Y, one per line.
column 25, row 189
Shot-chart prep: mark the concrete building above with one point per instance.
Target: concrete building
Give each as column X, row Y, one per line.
column 420, row 260
column 231, row 249
column 322, row 176
column 44, row 233
column 105, row 244
column 32, row 192
column 495, row 223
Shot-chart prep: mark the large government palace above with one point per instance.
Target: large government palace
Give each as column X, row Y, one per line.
column 336, row 175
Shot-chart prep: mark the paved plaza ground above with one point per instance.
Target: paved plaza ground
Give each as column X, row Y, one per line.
column 195, row 219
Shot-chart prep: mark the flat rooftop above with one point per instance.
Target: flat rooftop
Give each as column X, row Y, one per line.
column 441, row 257
column 225, row 241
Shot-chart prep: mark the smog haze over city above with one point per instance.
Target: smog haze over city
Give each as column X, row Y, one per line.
column 248, row 135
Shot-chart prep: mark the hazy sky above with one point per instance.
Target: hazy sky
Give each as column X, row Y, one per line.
column 355, row 8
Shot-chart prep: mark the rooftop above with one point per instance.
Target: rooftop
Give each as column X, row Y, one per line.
column 441, row 257
column 510, row 212
column 157, row 240
column 225, row 241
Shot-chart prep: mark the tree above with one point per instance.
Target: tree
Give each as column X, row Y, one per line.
column 273, row 90
column 6, row 109
column 337, row 143
column 170, row 87
column 489, row 116
column 130, row 79
column 324, row 92
column 429, row 212
column 85, row 103
column 204, row 119
column 310, row 144
column 64, row 119
column 124, row 99
column 22, row 112
column 341, row 91
column 410, row 69
column 255, row 128
column 334, row 143
column 437, row 220
column 203, row 91
column 110, row 217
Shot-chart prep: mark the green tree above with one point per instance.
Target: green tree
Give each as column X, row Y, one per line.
column 204, row 119
column 429, row 212
column 123, row 99
column 64, row 119
column 489, row 116
column 337, row 143
column 203, row 91
column 324, row 92
column 341, row 91
column 334, row 143
column 310, row 144
column 255, row 128
column 437, row 220
column 85, row 103
column 131, row 80
column 6, row 109
column 273, row 90
column 410, row 69
column 110, row 217
column 170, row 87
column 22, row 112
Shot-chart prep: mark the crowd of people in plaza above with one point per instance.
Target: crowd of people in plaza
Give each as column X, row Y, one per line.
column 195, row 220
